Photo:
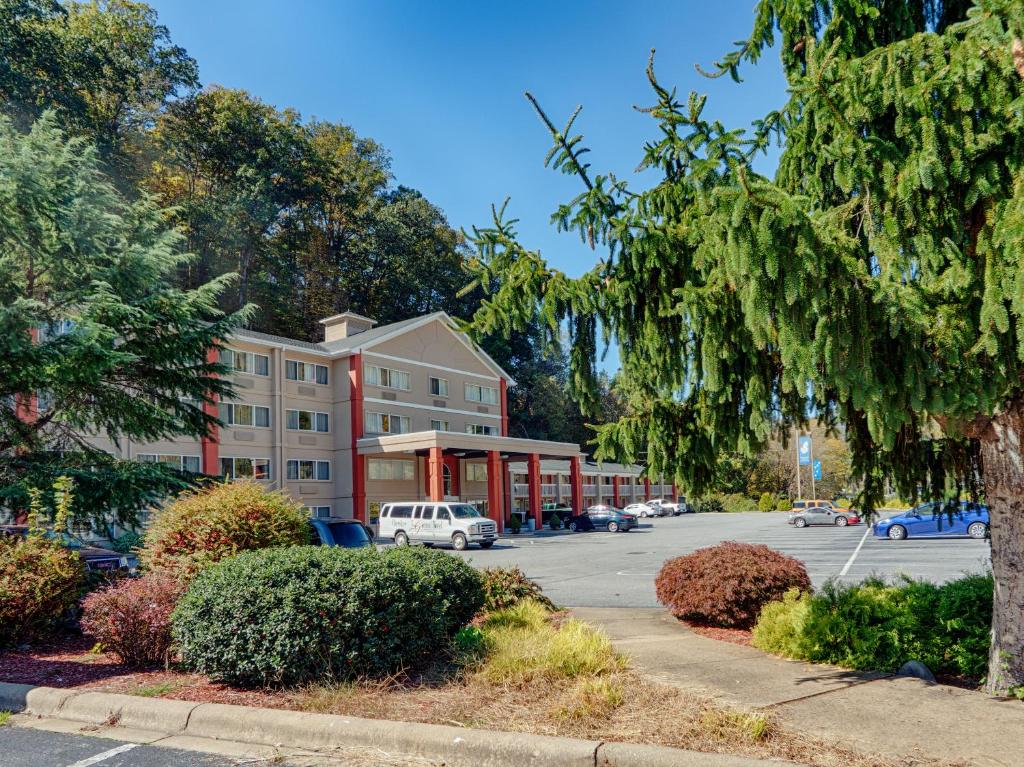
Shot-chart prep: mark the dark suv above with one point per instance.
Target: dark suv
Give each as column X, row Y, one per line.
column 347, row 533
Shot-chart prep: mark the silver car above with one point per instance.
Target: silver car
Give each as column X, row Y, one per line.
column 645, row 510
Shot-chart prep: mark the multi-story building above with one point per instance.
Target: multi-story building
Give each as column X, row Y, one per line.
column 408, row 411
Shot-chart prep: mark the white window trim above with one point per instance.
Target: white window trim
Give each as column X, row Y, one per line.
column 391, row 461
column 442, row 424
column 253, row 406
column 476, row 466
column 313, row 514
column 314, row 413
column 390, row 372
column 482, row 426
column 314, row 365
column 253, row 458
column 447, row 386
column 180, row 456
column 389, row 415
column 253, row 355
column 482, row 401
column 314, row 461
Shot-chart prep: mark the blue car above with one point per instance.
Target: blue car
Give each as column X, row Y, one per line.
column 934, row 519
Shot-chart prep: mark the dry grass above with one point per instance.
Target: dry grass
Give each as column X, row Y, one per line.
column 561, row 677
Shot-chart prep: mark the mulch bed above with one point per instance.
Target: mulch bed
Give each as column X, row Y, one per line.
column 742, row 637
column 69, row 661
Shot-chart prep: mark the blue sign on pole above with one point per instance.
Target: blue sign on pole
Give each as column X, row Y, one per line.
column 817, row 471
column 804, row 451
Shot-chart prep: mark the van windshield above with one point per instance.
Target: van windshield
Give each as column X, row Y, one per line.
column 464, row 511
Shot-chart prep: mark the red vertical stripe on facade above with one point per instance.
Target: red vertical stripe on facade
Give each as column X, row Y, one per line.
column 209, row 448
column 355, row 382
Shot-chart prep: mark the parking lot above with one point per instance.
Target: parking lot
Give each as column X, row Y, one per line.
column 601, row 569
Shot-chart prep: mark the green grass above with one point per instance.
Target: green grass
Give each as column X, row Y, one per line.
column 4, row 716
column 155, row 690
column 523, row 645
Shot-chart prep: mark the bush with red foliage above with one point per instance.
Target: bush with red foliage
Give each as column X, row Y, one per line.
column 727, row 585
column 132, row 618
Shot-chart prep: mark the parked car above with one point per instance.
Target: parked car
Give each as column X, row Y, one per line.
column 804, row 503
column 96, row 559
column 431, row 523
column 579, row 523
column 685, row 507
column 611, row 519
column 822, row 515
column 347, row 533
column 669, row 506
column 936, row 518
column 645, row 510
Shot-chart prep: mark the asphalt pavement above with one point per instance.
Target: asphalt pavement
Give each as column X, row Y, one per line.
column 21, row 747
column 601, row 569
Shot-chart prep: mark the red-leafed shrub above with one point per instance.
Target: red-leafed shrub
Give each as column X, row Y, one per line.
column 132, row 618
column 727, row 585
column 201, row 528
column 39, row 581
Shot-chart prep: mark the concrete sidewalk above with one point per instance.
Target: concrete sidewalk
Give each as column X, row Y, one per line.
column 895, row 716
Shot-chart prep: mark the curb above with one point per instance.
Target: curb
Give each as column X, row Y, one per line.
column 295, row 729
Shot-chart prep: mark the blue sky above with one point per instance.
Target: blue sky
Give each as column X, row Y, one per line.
column 440, row 85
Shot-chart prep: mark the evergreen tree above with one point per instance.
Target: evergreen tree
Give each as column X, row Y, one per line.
column 876, row 280
column 94, row 338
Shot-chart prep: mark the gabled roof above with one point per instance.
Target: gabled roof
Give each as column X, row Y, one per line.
column 370, row 338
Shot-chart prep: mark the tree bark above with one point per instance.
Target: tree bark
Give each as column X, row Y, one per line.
column 1002, row 449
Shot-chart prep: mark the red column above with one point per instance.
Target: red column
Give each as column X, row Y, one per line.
column 209, row 449
column 504, row 407
column 533, row 476
column 355, row 382
column 647, row 488
column 495, row 504
column 615, row 492
column 576, row 484
column 435, row 473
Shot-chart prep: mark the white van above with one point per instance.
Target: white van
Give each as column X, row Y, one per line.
column 430, row 523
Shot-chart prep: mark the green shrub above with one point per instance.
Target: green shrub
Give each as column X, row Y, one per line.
column 302, row 613
column 729, row 584
column 127, row 543
column 39, row 582
column 711, row 505
column 515, row 524
column 205, row 526
column 880, row 626
column 964, row 617
column 555, row 521
column 780, row 625
column 733, row 503
column 505, row 587
column 784, row 504
column 766, row 502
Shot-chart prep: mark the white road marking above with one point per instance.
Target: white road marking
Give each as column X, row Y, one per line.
column 102, row 757
column 856, row 551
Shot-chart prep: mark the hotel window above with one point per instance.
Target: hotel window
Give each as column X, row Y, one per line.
column 243, row 414
column 487, row 395
column 307, row 420
column 479, row 428
column 182, row 462
column 476, row 472
column 245, row 468
column 436, row 425
column 387, row 423
column 303, row 469
column 387, row 378
column 306, row 372
column 319, row 512
column 391, row 470
column 246, row 362
column 439, row 387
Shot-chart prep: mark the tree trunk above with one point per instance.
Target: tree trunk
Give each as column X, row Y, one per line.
column 1003, row 461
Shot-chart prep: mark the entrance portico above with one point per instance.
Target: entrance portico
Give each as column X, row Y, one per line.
column 444, row 457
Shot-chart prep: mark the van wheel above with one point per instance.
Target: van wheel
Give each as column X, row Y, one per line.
column 401, row 539
column 459, row 542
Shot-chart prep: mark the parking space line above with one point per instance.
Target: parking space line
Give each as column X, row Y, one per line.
column 103, row 756
column 856, row 551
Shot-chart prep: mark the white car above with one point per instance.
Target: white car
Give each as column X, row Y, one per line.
column 664, row 506
column 644, row 510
